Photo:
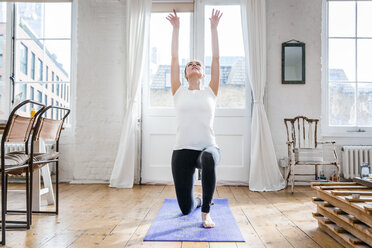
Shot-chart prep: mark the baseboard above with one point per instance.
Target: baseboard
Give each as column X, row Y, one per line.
column 89, row 182
column 197, row 182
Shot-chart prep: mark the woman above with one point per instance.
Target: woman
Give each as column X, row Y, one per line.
column 195, row 143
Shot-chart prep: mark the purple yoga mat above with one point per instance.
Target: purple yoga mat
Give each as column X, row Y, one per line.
column 171, row 225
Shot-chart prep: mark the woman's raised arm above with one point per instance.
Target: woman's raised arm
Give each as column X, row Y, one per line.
column 175, row 66
column 215, row 67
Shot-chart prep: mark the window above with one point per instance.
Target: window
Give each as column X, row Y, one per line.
column 52, row 110
column 24, row 57
column 44, row 29
column 64, row 92
column 160, row 43
column 40, row 70
column 349, row 77
column 57, row 88
column 33, row 66
column 231, row 47
column 57, row 110
column 53, row 81
column 39, row 98
column 1, row 49
column 46, row 76
column 32, row 95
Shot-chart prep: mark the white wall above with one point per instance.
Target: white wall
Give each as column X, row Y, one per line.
column 286, row 20
column 89, row 150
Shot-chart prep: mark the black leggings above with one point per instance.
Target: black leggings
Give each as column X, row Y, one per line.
column 184, row 163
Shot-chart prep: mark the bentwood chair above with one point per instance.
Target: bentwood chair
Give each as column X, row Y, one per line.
column 304, row 148
column 17, row 129
column 46, row 130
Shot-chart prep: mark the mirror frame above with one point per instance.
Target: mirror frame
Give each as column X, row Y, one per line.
column 293, row 43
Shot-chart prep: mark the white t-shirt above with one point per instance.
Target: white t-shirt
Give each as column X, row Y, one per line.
column 195, row 115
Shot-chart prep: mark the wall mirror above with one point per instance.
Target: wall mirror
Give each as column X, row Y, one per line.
column 293, row 62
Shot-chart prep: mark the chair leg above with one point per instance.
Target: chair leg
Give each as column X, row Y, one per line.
column 30, row 193
column 57, row 188
column 292, row 179
column 6, row 193
column 338, row 171
column 316, row 172
column 28, row 210
column 3, row 207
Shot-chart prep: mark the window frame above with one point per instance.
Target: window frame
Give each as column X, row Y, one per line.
column 328, row 130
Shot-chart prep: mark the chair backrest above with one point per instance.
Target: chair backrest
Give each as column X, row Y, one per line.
column 47, row 129
column 18, row 128
column 302, row 131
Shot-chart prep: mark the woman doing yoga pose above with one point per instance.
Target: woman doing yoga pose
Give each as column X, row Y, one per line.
column 195, row 141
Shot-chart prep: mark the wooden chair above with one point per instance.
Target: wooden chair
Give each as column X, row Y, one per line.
column 47, row 130
column 302, row 140
column 18, row 129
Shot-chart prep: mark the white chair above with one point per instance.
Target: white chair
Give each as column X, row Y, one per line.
column 304, row 147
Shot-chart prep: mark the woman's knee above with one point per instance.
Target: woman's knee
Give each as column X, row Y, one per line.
column 186, row 208
column 186, row 211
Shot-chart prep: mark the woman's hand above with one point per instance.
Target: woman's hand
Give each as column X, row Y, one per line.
column 216, row 16
column 174, row 19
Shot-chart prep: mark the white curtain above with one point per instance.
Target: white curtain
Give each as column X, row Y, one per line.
column 138, row 13
column 264, row 170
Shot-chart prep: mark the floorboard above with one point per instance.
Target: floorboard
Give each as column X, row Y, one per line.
column 100, row 216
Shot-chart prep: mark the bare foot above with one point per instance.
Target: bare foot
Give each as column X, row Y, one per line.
column 207, row 220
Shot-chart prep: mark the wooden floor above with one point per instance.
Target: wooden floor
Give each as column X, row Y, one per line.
column 99, row 216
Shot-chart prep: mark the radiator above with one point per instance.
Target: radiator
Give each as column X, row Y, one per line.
column 353, row 157
column 15, row 147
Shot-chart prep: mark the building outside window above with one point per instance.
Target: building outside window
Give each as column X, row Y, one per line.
column 348, row 76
